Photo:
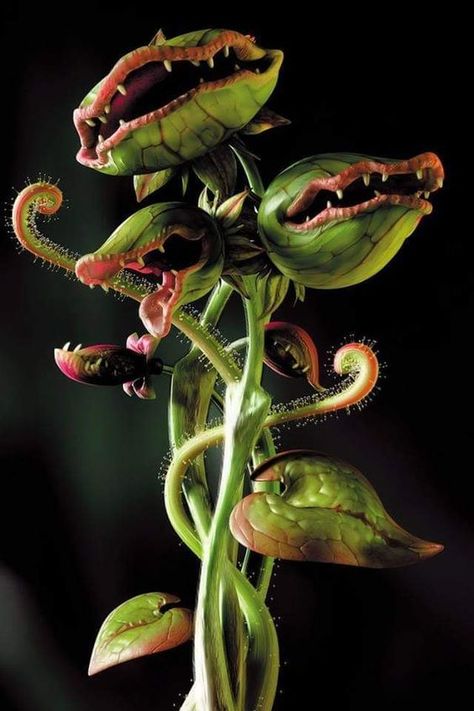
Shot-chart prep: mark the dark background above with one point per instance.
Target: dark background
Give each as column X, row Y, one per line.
column 84, row 522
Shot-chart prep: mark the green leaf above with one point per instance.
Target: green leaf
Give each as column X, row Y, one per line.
column 139, row 627
column 264, row 121
column 328, row 513
column 204, row 202
column 300, row 291
column 184, row 179
column 217, row 170
column 230, row 210
column 237, row 282
column 147, row 184
column 158, row 39
column 275, row 290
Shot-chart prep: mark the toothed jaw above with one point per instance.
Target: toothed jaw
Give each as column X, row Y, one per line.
column 150, row 83
column 341, row 196
column 104, row 364
column 153, row 263
column 156, row 310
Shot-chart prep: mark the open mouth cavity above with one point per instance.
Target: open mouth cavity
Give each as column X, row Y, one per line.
column 364, row 187
column 151, row 82
column 162, row 264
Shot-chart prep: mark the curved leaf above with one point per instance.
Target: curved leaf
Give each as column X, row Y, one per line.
column 139, row 627
column 328, row 513
column 148, row 183
column 291, row 352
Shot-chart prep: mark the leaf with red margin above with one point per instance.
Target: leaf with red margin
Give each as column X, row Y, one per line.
column 139, row 627
column 328, row 513
column 148, row 183
column 291, row 352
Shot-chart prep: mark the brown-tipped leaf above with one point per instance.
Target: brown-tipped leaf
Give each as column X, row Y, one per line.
column 264, row 121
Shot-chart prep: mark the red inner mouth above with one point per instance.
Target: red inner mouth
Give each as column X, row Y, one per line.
column 163, row 264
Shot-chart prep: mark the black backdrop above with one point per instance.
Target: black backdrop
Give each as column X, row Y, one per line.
column 84, row 523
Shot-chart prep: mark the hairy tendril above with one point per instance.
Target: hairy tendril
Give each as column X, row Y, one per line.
column 355, row 360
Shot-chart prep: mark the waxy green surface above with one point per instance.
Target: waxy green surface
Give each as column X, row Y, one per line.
column 138, row 627
column 338, row 253
column 328, row 513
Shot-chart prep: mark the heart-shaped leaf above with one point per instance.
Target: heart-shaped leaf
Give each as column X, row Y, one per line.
column 328, row 513
column 139, row 627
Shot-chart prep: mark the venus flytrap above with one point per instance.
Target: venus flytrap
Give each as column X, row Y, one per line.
column 329, row 221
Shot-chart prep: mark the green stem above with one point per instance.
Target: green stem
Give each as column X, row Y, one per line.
column 245, row 409
column 191, row 393
column 202, row 338
column 251, row 171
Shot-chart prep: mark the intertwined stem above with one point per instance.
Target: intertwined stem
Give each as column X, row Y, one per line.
column 246, row 406
column 214, row 687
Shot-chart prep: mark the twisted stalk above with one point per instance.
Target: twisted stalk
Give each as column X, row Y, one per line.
column 246, row 414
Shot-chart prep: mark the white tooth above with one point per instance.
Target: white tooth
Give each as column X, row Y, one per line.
column 210, row 62
column 287, row 348
column 100, row 138
column 201, row 80
column 236, row 67
column 305, row 369
column 295, row 366
column 91, row 286
column 195, row 62
column 168, row 65
column 66, row 346
column 141, row 261
column 366, row 179
column 226, row 51
column 329, row 204
column 161, row 248
column 426, row 194
column 307, row 218
column 102, row 119
column 107, row 109
column 418, row 194
column 439, row 182
column 122, row 122
column 90, row 122
column 257, row 71
column 105, row 287
column 377, row 194
column 384, row 177
column 339, row 194
column 98, row 362
column 419, row 174
column 122, row 89
column 78, row 347
column 173, row 271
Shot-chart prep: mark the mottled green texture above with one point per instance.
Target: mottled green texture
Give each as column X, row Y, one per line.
column 138, row 627
column 328, row 512
column 211, row 114
column 338, row 253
